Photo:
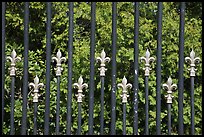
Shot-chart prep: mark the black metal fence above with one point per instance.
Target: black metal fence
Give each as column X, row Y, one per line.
column 169, row 86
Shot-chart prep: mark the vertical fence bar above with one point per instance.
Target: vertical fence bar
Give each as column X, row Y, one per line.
column 181, row 65
column 35, row 118
column 136, row 70
column 192, row 106
column 58, row 69
column 3, row 61
column 102, row 106
column 25, row 70
column 169, row 86
column 70, row 47
column 124, row 96
column 79, row 119
column 147, row 69
column 169, row 118
column 12, row 69
column 79, row 96
column 103, row 59
column 92, row 53
column 48, row 59
column 113, row 92
column 146, row 107
column 124, row 118
column 158, row 69
column 36, row 85
column 12, row 131
column 192, row 60
column 58, row 106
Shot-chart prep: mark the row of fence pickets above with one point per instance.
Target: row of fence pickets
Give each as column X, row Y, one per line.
column 103, row 59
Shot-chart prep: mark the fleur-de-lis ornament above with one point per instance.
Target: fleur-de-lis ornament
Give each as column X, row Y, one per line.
column 169, row 86
column 103, row 59
column 59, row 60
column 80, row 87
column 13, row 60
column 192, row 60
column 36, row 85
column 124, row 87
column 147, row 60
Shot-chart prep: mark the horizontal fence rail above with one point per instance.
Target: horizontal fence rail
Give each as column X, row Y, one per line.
column 129, row 89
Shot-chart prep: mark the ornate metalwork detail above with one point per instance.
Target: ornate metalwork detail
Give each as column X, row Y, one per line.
column 103, row 59
column 13, row 60
column 36, row 85
column 169, row 86
column 147, row 60
column 192, row 60
column 59, row 60
column 80, row 87
column 124, row 86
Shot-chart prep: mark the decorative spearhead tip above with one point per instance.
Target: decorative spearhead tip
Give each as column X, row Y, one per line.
column 169, row 81
column 80, row 80
column 36, row 80
column 59, row 60
column 103, row 59
column 192, row 54
column 147, row 54
column 13, row 54
column 103, row 54
column 80, row 87
column 13, row 60
column 36, row 85
column 124, row 87
column 59, row 54
column 192, row 60
column 124, row 81
column 169, row 86
column 147, row 60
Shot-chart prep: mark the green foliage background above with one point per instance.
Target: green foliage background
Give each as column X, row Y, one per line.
column 125, row 61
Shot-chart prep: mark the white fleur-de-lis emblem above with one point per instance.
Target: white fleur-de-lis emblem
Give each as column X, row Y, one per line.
column 80, row 87
column 169, row 86
column 36, row 85
column 13, row 60
column 147, row 60
column 124, row 87
column 192, row 60
column 103, row 59
column 59, row 60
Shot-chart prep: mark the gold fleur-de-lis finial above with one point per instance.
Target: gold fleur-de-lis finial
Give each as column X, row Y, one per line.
column 192, row 60
column 169, row 86
column 13, row 60
column 103, row 59
column 59, row 60
column 36, row 85
column 124, row 87
column 80, row 87
column 147, row 60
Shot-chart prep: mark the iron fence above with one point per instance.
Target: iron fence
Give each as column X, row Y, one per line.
column 102, row 60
